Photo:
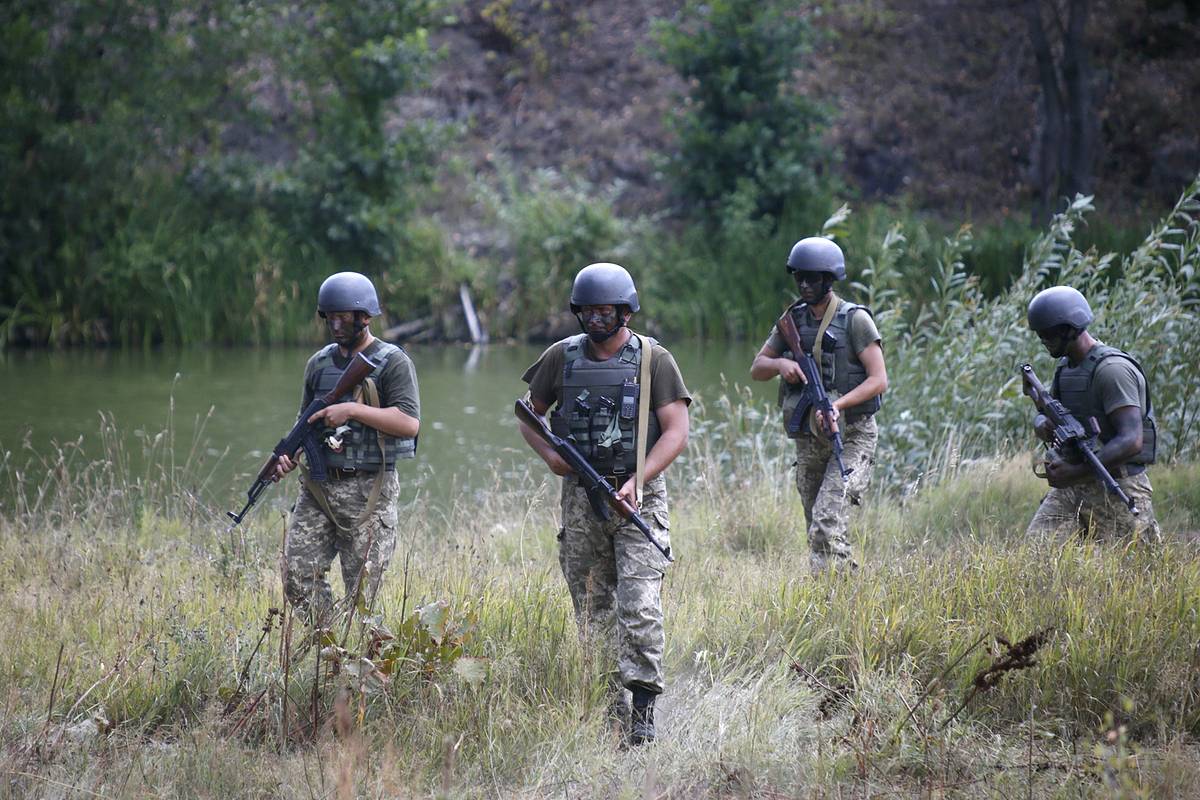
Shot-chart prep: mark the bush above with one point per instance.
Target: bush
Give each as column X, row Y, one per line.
column 952, row 360
column 553, row 225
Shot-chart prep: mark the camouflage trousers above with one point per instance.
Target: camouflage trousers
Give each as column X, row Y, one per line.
column 615, row 578
column 1088, row 509
column 313, row 541
column 826, row 498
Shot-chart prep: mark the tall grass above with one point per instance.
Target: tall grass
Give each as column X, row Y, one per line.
column 135, row 663
column 953, row 360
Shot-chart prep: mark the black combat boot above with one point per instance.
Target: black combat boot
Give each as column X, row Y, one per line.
column 641, row 721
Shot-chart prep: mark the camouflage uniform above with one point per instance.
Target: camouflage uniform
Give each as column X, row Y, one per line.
column 1103, row 380
column 313, row 541
column 613, row 573
column 1089, row 509
column 615, row 578
column 825, row 497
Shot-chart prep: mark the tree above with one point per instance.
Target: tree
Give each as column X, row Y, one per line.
column 189, row 171
column 744, row 130
column 998, row 106
column 1065, row 154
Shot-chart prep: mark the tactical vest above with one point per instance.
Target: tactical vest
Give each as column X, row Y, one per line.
column 360, row 447
column 599, row 407
column 841, row 370
column 1073, row 386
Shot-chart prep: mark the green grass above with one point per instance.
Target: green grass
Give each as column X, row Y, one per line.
column 156, row 620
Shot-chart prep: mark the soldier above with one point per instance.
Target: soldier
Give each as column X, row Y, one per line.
column 855, row 378
column 353, row 514
column 594, row 381
column 1094, row 381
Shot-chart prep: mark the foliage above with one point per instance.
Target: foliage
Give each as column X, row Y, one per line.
column 535, row 27
column 940, row 101
column 952, row 348
column 953, row 359
column 746, row 138
column 727, row 283
column 554, row 225
column 180, row 174
column 352, row 179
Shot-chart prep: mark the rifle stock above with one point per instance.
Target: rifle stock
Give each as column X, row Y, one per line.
column 1070, row 434
column 593, row 483
column 304, row 436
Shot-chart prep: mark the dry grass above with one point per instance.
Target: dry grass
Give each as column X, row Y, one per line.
column 136, row 661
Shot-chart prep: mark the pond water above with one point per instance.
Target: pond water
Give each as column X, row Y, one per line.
column 236, row 404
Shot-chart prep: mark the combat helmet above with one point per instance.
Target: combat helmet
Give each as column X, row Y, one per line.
column 817, row 254
column 348, row 291
column 1059, row 305
column 603, row 284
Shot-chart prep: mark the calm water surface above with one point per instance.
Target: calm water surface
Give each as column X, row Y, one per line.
column 469, row 438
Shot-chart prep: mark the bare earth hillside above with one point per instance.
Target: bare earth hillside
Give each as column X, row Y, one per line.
column 574, row 87
column 938, row 102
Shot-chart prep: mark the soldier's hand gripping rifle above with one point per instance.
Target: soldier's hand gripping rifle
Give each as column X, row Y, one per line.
column 600, row 494
column 815, row 395
column 1070, row 436
column 306, row 435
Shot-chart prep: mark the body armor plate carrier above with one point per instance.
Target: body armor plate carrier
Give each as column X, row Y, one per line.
column 1073, row 387
column 599, row 408
column 841, row 370
column 360, row 448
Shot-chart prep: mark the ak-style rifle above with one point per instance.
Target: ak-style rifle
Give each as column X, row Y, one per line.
column 306, row 436
column 599, row 492
column 1070, row 436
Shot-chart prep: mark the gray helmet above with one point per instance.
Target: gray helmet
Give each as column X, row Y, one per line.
column 603, row 285
column 817, row 254
column 348, row 291
column 1059, row 305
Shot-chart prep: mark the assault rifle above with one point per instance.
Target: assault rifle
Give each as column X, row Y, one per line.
column 305, row 435
column 815, row 395
column 1070, row 436
column 600, row 493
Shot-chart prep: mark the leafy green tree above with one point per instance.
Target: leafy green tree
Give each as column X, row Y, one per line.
column 746, row 134
column 178, row 172
column 103, row 102
column 352, row 182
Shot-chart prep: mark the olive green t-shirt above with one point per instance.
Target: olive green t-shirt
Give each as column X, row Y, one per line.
column 1118, row 383
column 863, row 333
column 397, row 380
column 545, row 376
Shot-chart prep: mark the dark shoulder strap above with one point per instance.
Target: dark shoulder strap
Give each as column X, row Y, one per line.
column 1058, row 368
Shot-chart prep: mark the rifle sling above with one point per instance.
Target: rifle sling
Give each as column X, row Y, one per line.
column 369, row 395
column 830, row 312
column 643, row 424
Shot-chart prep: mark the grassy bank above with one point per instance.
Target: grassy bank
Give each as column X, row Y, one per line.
column 135, row 664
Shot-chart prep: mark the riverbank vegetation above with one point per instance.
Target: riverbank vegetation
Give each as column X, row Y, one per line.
column 148, row 652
